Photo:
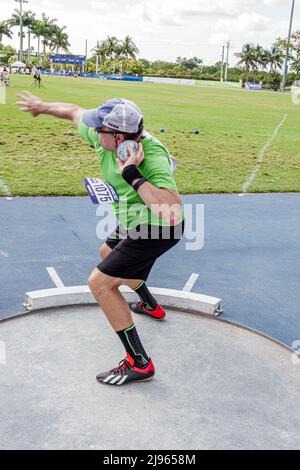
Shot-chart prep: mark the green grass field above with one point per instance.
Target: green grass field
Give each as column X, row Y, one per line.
column 40, row 157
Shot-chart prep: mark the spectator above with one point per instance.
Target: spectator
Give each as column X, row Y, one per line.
column 5, row 77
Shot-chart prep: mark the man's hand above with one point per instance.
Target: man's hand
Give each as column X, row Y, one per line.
column 30, row 103
column 134, row 159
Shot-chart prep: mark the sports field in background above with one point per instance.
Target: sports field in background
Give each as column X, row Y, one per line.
column 44, row 156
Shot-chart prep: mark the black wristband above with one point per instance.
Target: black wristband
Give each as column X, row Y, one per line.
column 139, row 183
column 131, row 173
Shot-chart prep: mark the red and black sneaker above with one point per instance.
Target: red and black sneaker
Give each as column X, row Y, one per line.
column 139, row 307
column 127, row 372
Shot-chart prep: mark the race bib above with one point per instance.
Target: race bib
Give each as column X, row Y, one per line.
column 99, row 191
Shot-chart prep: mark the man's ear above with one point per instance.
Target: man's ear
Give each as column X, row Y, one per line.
column 120, row 138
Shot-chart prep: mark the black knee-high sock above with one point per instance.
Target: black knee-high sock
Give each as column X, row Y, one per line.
column 133, row 346
column 146, row 296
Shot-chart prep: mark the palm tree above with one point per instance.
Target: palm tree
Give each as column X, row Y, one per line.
column 113, row 47
column 49, row 28
column 260, row 56
column 275, row 58
column 247, row 58
column 295, row 65
column 59, row 39
column 295, row 61
column 128, row 50
column 15, row 18
column 28, row 19
column 38, row 30
column 101, row 51
column 293, row 48
column 44, row 29
column 4, row 30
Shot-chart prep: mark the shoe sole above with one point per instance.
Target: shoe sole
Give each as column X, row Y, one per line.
column 148, row 315
column 126, row 383
column 154, row 318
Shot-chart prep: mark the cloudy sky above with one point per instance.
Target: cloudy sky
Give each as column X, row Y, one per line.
column 166, row 29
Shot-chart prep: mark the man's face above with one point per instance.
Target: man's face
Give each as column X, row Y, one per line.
column 109, row 140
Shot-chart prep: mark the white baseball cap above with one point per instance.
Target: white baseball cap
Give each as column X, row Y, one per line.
column 118, row 113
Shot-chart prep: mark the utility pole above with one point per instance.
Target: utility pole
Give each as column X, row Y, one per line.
column 285, row 70
column 86, row 48
column 222, row 66
column 21, row 28
column 227, row 59
column 28, row 52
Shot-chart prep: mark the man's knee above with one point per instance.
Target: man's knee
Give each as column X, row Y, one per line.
column 94, row 282
column 99, row 283
column 104, row 250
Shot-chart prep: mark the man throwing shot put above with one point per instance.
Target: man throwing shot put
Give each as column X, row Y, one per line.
column 149, row 211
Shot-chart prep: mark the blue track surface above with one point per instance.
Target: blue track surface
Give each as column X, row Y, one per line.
column 250, row 256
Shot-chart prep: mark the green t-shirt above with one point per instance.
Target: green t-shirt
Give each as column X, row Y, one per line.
column 131, row 210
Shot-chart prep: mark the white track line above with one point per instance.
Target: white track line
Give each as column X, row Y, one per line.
column 55, row 277
column 190, row 283
column 261, row 156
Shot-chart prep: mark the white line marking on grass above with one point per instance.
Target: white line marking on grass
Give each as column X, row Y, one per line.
column 3, row 95
column 55, row 277
column 261, row 157
column 190, row 283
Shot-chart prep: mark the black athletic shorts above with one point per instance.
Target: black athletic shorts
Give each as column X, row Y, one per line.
column 135, row 251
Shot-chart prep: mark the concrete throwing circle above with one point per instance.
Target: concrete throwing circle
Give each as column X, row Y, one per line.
column 217, row 386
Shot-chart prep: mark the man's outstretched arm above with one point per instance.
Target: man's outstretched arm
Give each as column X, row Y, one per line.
column 35, row 106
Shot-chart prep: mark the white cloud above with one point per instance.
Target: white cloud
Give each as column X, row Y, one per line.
column 219, row 38
column 246, row 22
column 99, row 5
column 143, row 12
column 165, row 30
column 50, row 4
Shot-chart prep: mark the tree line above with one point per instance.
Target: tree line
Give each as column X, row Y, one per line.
column 255, row 59
column 54, row 37
column 44, row 29
column 112, row 55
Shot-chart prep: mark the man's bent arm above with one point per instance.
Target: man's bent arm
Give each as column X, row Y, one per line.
column 162, row 202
